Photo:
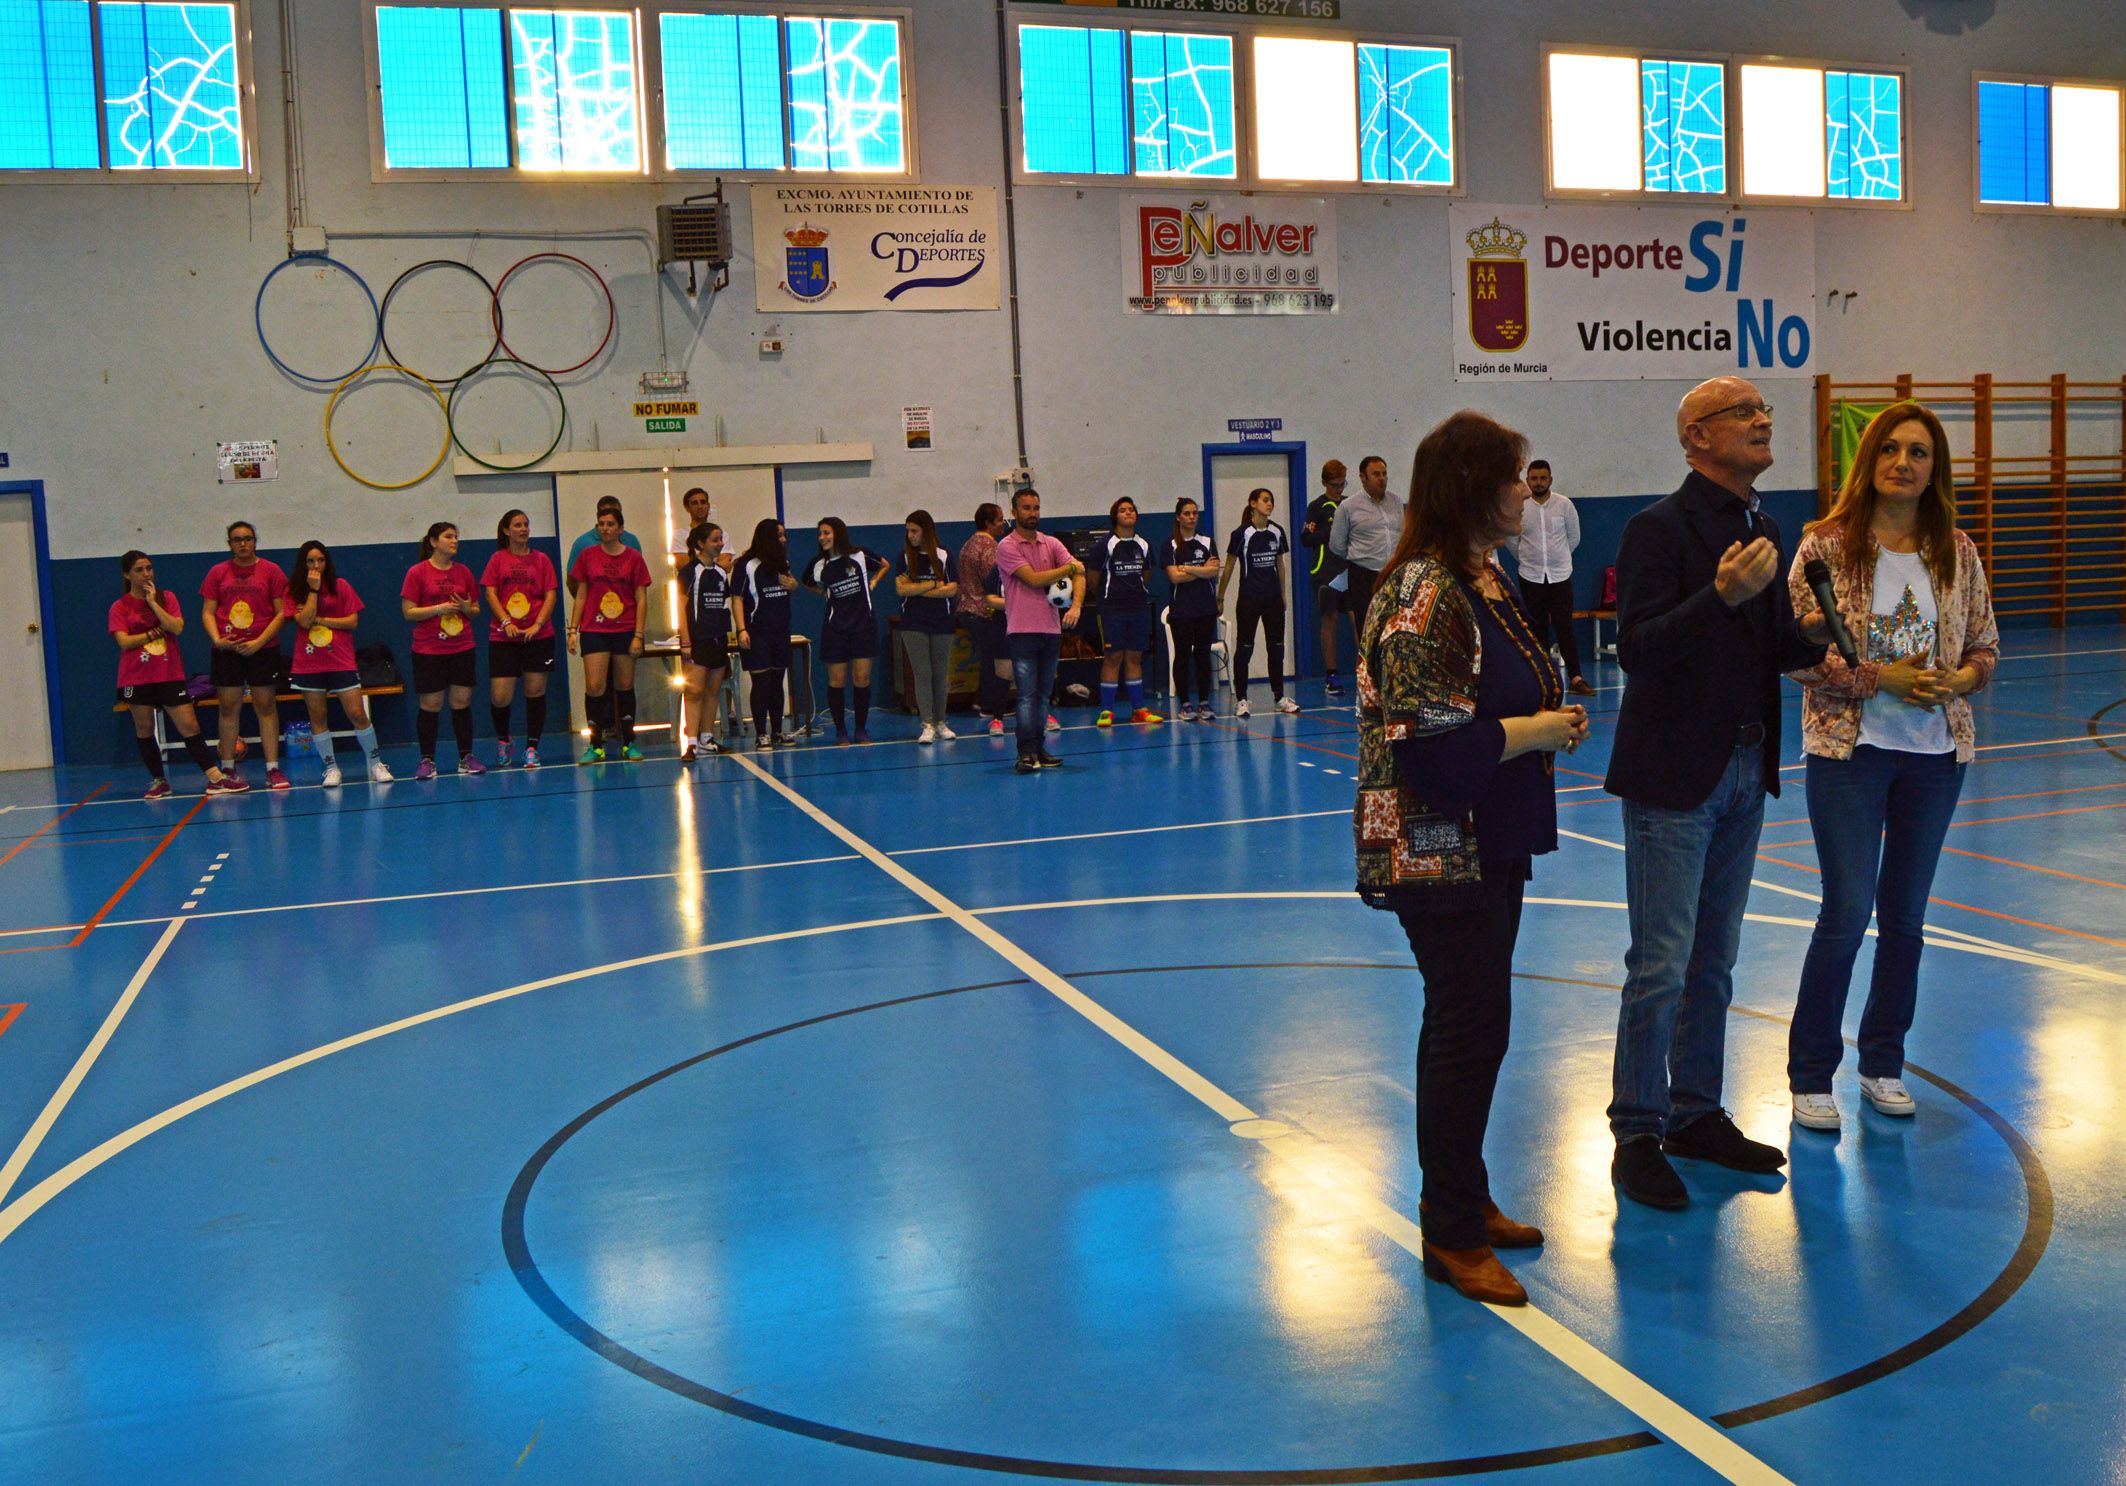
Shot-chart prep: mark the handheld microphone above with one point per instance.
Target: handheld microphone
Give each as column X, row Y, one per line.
column 1817, row 574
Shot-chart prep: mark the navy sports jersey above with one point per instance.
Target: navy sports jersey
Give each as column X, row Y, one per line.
column 846, row 582
column 1197, row 599
column 1125, row 572
column 1258, row 551
column 922, row 615
column 767, row 601
column 708, row 591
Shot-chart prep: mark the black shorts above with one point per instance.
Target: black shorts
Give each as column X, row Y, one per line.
column 604, row 642
column 839, row 647
column 154, row 694
column 509, row 659
column 259, row 668
column 434, row 673
column 329, row 682
column 766, row 653
column 1329, row 600
column 711, row 652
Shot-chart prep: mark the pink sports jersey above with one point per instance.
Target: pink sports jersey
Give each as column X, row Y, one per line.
column 157, row 660
column 322, row 647
column 522, row 583
column 244, row 599
column 426, row 586
column 609, row 584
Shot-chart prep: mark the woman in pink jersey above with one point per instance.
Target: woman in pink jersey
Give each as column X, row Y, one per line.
column 521, row 590
column 242, row 614
column 441, row 596
column 612, row 585
column 146, row 622
column 323, row 606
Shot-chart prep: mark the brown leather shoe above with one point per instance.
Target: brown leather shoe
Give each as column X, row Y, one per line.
column 1477, row 1273
column 1580, row 688
column 1502, row 1232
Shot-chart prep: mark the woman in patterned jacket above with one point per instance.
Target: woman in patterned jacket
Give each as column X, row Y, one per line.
column 1886, row 743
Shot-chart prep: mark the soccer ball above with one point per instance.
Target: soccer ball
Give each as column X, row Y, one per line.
column 1059, row 594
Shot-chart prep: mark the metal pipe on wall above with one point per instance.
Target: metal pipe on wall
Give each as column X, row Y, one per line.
column 1011, row 238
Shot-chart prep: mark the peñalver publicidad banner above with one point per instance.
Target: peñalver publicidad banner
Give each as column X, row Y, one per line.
column 1621, row 293
column 830, row 248
column 1228, row 255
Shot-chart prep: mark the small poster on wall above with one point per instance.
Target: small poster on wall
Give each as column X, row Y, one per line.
column 244, row 460
column 915, row 427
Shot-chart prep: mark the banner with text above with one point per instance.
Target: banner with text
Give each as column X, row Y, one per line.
column 1229, row 255
column 831, row 248
column 1597, row 293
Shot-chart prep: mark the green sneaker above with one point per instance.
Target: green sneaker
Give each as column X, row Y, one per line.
column 592, row 755
column 629, row 753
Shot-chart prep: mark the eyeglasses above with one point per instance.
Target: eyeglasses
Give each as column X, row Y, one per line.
column 1336, row 482
column 1741, row 412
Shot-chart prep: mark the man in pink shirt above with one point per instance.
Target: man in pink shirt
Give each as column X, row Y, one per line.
column 1029, row 562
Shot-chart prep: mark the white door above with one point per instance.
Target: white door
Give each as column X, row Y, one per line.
column 1233, row 476
column 25, row 725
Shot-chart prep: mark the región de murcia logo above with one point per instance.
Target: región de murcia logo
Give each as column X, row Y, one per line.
column 1498, row 287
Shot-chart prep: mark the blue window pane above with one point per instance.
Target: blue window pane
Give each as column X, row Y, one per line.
column 1181, row 104
column 722, row 91
column 47, row 86
column 171, row 100
column 1073, row 116
column 845, row 94
column 1683, row 113
column 574, row 76
column 2015, row 143
column 1864, row 135
column 440, row 74
column 1406, row 114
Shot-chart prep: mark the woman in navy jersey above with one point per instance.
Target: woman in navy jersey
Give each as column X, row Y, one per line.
column 763, row 584
column 711, row 615
column 1123, row 585
column 1191, row 563
column 1257, row 551
column 146, row 622
column 928, row 590
column 844, row 575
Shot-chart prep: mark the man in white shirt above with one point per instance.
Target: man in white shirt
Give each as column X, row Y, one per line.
column 1550, row 529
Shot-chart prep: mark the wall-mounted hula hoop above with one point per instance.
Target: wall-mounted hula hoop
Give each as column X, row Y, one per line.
column 450, row 413
column 383, row 317
column 376, row 330
column 553, row 371
column 433, row 391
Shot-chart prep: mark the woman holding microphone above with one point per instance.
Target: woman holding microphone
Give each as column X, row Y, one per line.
column 1455, row 800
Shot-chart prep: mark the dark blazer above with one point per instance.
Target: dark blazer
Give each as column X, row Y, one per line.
column 1685, row 653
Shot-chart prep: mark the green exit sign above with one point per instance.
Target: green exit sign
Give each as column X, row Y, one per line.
column 664, row 425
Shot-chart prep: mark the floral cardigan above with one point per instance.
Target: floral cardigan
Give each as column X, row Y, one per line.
column 1833, row 692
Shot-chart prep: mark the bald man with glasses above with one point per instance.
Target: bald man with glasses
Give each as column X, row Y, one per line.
column 1704, row 632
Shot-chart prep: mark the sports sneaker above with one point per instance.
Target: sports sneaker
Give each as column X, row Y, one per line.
column 157, row 790
column 230, row 783
column 707, row 746
column 1286, row 704
column 1145, row 714
column 1816, row 1111
column 945, row 733
column 863, row 735
column 591, row 755
column 996, row 727
column 929, row 734
column 427, row 769
column 1106, row 719
column 1027, row 764
column 275, row 779
column 1333, row 687
column 841, row 737
column 380, row 772
column 531, row 756
column 332, row 776
column 1889, row 1096
column 1048, row 760
column 686, row 750
column 502, row 753
column 630, row 754
column 1053, row 725
column 1240, row 708
column 471, row 765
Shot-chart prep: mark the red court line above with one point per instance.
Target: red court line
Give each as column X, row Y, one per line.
column 2028, row 923
column 2033, row 867
column 62, row 815
column 1279, row 738
column 1994, row 820
column 2043, row 794
column 8, row 1014
column 127, row 886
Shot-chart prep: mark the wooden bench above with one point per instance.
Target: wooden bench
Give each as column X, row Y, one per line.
column 167, row 745
column 1599, row 617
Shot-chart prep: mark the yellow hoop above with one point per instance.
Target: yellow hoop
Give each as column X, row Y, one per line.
column 404, row 371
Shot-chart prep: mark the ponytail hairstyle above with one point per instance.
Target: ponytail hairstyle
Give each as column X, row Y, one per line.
column 928, row 553
column 502, row 529
column 125, row 568
column 696, row 538
column 767, row 548
column 428, row 543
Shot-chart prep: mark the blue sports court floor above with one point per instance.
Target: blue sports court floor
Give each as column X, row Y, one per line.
column 877, row 1116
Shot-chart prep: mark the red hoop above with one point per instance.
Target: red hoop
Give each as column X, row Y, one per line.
column 495, row 311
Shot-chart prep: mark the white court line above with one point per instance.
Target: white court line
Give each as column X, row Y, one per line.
column 42, row 1125
column 1715, row 1448
column 1191, row 825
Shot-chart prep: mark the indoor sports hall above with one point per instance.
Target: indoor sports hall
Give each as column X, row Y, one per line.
column 881, row 1079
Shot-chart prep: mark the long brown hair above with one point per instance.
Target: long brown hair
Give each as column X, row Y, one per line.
column 1852, row 515
column 928, row 556
column 1454, row 489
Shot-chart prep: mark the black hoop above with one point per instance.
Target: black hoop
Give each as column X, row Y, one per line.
column 495, row 317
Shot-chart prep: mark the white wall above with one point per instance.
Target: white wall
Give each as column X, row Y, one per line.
column 126, row 347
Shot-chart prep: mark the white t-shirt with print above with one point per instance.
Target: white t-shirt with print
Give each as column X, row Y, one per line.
column 1905, row 624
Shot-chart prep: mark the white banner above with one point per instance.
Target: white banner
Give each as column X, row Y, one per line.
column 1229, row 255
column 1617, row 293
column 834, row 248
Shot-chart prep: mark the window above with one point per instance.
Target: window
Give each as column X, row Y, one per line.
column 1107, row 101
column 167, row 78
column 1620, row 123
column 1813, row 132
column 561, row 90
column 2049, row 144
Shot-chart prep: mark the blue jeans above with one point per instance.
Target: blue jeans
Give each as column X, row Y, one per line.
column 1033, row 670
column 1879, row 818
column 1686, row 879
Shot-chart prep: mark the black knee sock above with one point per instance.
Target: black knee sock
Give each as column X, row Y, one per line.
column 594, row 705
column 625, row 723
column 863, row 706
column 425, row 727
column 837, row 704
column 772, row 682
column 197, row 751
column 760, row 707
column 1243, row 653
column 151, row 755
column 1276, row 649
column 499, row 717
column 461, row 729
column 627, row 712
column 534, row 719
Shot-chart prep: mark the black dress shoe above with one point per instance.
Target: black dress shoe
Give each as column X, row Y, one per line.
column 1028, row 764
column 1714, row 1138
column 1643, row 1174
column 1049, row 760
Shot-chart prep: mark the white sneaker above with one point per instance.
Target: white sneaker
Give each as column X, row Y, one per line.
column 1286, row 704
column 929, row 734
column 380, row 772
column 1240, row 708
column 1888, row 1095
column 705, row 741
column 1816, row 1111
column 332, row 776
column 945, row 733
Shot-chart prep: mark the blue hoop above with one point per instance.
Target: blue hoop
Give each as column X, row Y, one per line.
column 258, row 318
